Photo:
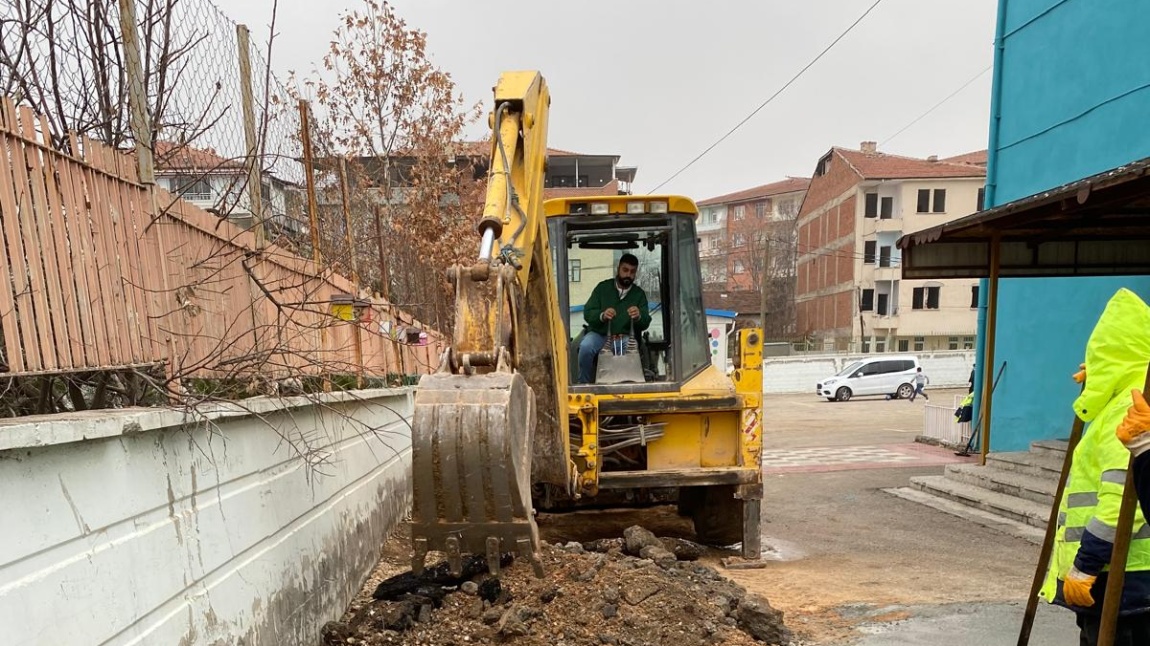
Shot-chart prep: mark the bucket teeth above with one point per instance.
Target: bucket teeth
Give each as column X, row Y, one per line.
column 471, row 463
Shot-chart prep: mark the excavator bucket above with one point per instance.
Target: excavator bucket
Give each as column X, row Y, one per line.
column 471, row 444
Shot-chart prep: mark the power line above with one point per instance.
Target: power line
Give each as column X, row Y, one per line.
column 771, row 98
column 938, row 105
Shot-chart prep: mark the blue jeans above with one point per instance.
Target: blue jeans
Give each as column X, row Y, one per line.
column 590, row 346
column 918, row 390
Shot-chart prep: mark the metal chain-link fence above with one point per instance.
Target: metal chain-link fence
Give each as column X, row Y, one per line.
column 66, row 59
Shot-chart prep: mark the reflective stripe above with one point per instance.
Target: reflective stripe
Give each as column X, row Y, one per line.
column 1114, row 476
column 1085, row 499
column 1061, row 518
column 1074, row 534
column 1102, row 530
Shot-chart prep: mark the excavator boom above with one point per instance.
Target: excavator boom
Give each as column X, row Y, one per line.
column 492, row 420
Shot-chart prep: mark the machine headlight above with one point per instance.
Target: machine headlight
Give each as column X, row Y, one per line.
column 600, row 208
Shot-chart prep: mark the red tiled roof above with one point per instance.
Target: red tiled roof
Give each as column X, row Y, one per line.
column 610, row 188
column 788, row 185
column 172, row 156
column 978, row 158
column 742, row 301
column 884, row 166
column 175, row 156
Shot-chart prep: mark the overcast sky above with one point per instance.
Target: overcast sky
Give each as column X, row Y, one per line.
column 658, row 81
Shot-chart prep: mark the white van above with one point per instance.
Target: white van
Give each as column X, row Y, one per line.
column 891, row 374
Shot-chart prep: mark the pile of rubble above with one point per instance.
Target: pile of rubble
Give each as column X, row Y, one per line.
column 633, row 591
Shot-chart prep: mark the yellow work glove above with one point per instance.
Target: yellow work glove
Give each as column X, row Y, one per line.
column 1080, row 376
column 1134, row 431
column 1076, row 588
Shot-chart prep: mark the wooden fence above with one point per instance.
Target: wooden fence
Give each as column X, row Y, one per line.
column 97, row 274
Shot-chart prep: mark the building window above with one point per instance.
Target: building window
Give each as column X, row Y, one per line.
column 880, row 345
column 739, row 267
column 940, row 200
column 740, row 212
column 871, row 205
column 903, row 345
column 714, row 243
column 883, row 305
column 952, row 343
column 192, row 188
column 869, row 247
column 919, row 343
column 981, row 198
column 884, row 257
column 887, row 210
column 738, row 240
column 787, row 209
column 761, row 210
column 974, row 297
column 924, row 201
column 575, row 269
column 866, row 345
column 967, row 343
column 925, row 298
column 866, row 301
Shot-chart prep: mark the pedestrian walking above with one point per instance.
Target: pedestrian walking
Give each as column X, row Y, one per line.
column 920, row 381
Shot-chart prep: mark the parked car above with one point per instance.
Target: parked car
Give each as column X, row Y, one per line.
column 891, row 375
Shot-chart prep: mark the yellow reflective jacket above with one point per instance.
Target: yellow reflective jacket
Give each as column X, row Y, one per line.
column 1117, row 355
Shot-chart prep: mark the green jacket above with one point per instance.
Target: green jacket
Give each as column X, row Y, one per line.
column 606, row 295
column 1116, row 358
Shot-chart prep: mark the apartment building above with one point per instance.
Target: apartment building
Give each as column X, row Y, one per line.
column 748, row 246
column 735, row 229
column 849, row 293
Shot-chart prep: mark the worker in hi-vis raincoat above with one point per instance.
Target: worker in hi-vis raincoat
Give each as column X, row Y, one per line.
column 1117, row 355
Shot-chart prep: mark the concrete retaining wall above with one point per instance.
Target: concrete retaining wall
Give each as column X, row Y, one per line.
column 783, row 375
column 151, row 527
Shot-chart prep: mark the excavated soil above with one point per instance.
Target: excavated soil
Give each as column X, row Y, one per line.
column 633, row 591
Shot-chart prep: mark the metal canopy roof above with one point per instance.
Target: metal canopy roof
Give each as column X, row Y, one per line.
column 1097, row 226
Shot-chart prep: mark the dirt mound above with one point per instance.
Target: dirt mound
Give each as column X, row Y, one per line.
column 631, row 591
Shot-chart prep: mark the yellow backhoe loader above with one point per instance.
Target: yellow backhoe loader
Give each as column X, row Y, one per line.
column 502, row 429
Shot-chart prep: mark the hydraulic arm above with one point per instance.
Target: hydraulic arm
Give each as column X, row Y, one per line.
column 493, row 419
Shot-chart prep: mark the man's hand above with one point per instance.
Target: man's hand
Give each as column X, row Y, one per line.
column 1076, row 588
column 1134, row 430
column 608, row 314
column 633, row 312
column 1080, row 376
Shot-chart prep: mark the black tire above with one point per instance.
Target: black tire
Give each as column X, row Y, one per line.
column 904, row 392
column 719, row 518
column 689, row 500
column 830, row 399
column 843, row 394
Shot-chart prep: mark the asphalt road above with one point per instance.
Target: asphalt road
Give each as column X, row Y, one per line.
column 855, row 565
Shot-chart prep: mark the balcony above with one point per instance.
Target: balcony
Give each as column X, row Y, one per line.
column 876, row 321
column 894, row 272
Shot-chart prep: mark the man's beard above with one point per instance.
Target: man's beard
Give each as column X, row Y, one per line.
column 624, row 281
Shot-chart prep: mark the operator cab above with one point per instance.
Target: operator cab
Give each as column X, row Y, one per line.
column 589, row 237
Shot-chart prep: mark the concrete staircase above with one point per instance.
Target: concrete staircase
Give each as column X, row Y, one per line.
column 1013, row 493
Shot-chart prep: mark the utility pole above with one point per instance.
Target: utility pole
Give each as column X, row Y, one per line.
column 765, row 279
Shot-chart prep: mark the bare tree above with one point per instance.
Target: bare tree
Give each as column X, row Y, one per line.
column 415, row 188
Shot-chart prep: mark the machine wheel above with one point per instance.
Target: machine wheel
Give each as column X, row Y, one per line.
column 717, row 514
column 843, row 394
column 689, row 500
column 904, row 392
